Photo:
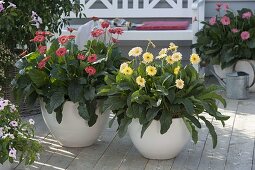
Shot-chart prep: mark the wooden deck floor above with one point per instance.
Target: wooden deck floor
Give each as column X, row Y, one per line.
column 235, row 150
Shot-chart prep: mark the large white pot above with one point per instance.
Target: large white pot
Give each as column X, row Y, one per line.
column 5, row 166
column 154, row 145
column 74, row 131
column 222, row 72
column 247, row 66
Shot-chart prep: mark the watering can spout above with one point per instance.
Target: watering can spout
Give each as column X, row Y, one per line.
column 222, row 83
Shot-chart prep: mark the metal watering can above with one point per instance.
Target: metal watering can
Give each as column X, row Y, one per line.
column 236, row 85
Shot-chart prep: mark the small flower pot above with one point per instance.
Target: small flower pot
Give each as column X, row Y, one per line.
column 74, row 131
column 247, row 66
column 154, row 145
column 222, row 72
column 5, row 166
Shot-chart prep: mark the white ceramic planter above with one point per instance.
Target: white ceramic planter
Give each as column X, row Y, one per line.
column 5, row 166
column 154, row 145
column 74, row 130
column 248, row 67
column 222, row 72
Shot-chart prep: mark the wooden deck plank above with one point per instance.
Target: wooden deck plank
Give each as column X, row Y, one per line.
column 215, row 158
column 159, row 164
column 115, row 154
column 133, row 161
column 242, row 140
column 89, row 156
column 190, row 157
column 235, row 148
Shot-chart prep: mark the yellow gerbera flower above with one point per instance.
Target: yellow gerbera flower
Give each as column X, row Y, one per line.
column 194, row 59
column 173, row 47
column 127, row 71
column 148, row 57
column 122, row 66
column 177, row 56
column 163, row 51
column 135, row 52
column 140, row 81
column 151, row 71
column 161, row 56
column 179, row 83
column 177, row 70
column 169, row 59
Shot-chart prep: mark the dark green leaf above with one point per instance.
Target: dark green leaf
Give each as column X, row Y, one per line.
column 124, row 126
column 74, row 90
column 38, row 77
column 145, row 126
column 165, row 121
column 83, row 111
column 152, row 113
column 211, row 130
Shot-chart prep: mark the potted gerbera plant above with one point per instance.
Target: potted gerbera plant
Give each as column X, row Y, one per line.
column 226, row 39
column 160, row 102
column 66, row 80
column 16, row 137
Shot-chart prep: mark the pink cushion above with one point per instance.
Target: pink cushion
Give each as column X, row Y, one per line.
column 164, row 25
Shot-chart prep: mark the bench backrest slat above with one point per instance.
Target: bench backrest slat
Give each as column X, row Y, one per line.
column 137, row 8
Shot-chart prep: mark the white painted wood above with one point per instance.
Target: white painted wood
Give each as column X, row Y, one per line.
column 158, row 35
column 148, row 10
column 135, row 4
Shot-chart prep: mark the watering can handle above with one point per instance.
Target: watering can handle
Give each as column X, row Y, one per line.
column 253, row 67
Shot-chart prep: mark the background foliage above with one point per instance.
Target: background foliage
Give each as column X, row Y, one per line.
column 16, row 28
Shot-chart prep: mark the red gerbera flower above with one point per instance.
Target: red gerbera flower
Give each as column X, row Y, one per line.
column 39, row 33
column 112, row 31
column 71, row 37
column 81, row 57
column 92, row 58
column 97, row 32
column 61, row 52
column 63, row 39
column 119, row 31
column 39, row 38
column 105, row 24
column 90, row 70
column 42, row 49
column 41, row 64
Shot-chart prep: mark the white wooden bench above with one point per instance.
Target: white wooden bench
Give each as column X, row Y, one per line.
column 194, row 10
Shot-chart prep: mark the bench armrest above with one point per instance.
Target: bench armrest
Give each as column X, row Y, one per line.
column 196, row 4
